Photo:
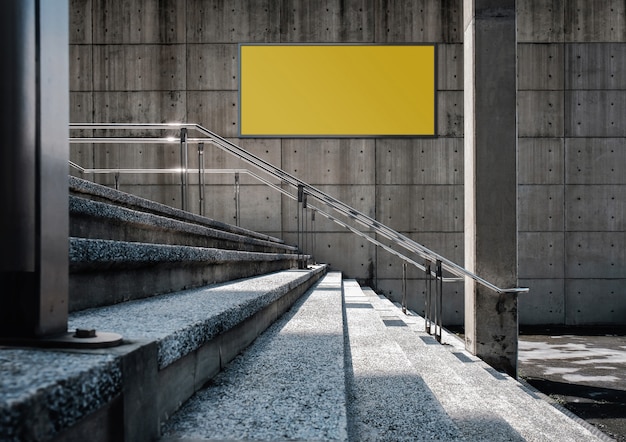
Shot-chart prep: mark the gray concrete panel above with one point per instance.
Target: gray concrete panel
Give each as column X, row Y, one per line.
column 81, row 154
column 218, row 111
column 419, row 161
column 544, row 303
column 595, row 161
column 212, row 67
column 139, row 107
column 450, row 67
column 540, row 160
column 450, row 113
column 449, row 245
column 595, row 208
column 540, row 20
column 353, row 255
column 335, row 21
column 541, row 255
column 330, row 161
column 595, row 21
column 165, row 194
column 423, row 21
column 415, row 288
column 595, row 66
column 453, row 306
column 138, row 21
column 540, row 113
column 213, row 21
column 595, row 113
column 81, row 26
column 81, row 107
column 138, row 156
column 139, row 68
column 81, row 68
column 540, row 66
column 389, row 267
column 540, row 208
column 595, row 255
column 361, row 197
column 595, row 301
column 421, row 208
column 259, row 206
column 215, row 158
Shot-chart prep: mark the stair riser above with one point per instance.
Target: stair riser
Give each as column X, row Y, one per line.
column 99, row 220
column 98, row 288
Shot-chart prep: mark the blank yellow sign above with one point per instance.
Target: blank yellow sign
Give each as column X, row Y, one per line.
column 337, row 90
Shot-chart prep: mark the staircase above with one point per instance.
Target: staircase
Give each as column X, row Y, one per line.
column 186, row 293
column 324, row 359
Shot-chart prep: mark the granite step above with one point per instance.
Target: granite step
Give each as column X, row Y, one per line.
column 89, row 190
column 485, row 405
column 289, row 385
column 105, row 272
column 173, row 345
column 104, row 220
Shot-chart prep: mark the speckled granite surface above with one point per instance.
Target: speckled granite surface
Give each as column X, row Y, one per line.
column 289, row 385
column 101, row 252
column 45, row 391
column 484, row 404
column 42, row 392
column 181, row 322
column 389, row 399
column 121, row 215
column 81, row 186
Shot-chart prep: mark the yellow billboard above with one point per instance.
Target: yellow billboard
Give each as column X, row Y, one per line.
column 336, row 90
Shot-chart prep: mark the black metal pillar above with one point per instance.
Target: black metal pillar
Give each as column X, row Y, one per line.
column 34, row 117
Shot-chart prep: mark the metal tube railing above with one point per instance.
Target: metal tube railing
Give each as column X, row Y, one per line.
column 396, row 238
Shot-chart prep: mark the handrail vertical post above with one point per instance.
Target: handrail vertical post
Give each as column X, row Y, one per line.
column 117, row 180
column 183, row 168
column 237, row 202
column 298, row 220
column 438, row 301
column 201, row 178
column 427, row 296
column 404, row 287
column 313, row 238
column 305, row 239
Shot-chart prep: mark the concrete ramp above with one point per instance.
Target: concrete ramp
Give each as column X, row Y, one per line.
column 372, row 374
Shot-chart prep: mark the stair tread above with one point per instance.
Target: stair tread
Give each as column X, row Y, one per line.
column 287, row 385
column 85, row 252
column 41, row 391
column 147, row 224
column 83, row 187
column 184, row 320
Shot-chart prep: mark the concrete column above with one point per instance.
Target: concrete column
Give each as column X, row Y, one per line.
column 34, row 110
column 491, row 326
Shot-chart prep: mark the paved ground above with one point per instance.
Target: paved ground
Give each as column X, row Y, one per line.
column 583, row 369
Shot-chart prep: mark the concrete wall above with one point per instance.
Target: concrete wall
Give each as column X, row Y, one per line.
column 572, row 170
column 176, row 61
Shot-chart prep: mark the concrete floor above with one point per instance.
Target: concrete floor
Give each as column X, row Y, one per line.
column 583, row 369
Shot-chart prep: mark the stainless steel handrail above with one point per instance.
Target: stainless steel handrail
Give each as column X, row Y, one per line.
column 351, row 213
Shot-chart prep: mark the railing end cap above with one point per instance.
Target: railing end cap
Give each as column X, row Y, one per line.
column 516, row 290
